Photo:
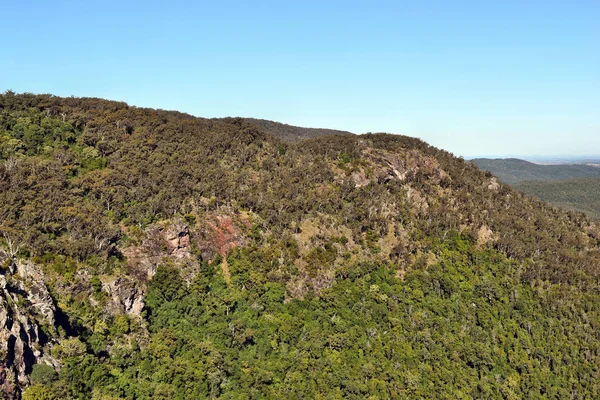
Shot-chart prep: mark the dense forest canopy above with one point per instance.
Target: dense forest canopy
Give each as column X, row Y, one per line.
column 574, row 187
column 292, row 133
column 578, row 194
column 201, row 258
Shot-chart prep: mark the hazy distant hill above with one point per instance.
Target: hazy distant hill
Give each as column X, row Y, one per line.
column 513, row 170
column 574, row 187
column 580, row 194
column 292, row 133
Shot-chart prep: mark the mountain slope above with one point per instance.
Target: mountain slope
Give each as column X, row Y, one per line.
column 580, row 194
column 195, row 258
column 569, row 186
column 513, row 170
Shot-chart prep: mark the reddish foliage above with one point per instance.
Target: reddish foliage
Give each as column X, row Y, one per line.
column 225, row 236
column 220, row 235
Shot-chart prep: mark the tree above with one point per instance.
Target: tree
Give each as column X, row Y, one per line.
column 38, row 392
column 43, row 374
column 13, row 242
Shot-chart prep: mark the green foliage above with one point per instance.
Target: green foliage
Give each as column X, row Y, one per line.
column 38, row 392
column 43, row 374
column 580, row 195
column 465, row 327
column 96, row 284
column 121, row 325
column 291, row 133
column 370, row 266
column 574, row 187
column 166, row 286
column 69, row 348
column 92, row 164
column 320, row 258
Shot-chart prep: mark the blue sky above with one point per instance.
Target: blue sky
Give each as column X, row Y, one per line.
column 472, row 77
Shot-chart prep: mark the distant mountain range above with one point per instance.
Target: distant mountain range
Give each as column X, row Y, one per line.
column 514, row 170
column 546, row 159
column 577, row 194
column 574, row 187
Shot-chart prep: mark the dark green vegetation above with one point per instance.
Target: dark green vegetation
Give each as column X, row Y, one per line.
column 513, row 170
column 581, row 194
column 291, row 133
column 341, row 266
column 574, row 187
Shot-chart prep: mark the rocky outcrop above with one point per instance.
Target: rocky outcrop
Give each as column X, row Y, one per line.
column 404, row 166
column 37, row 293
column 418, row 201
column 8, row 386
column 492, row 184
column 27, row 315
column 160, row 240
column 385, row 166
column 142, row 260
column 177, row 236
column 360, row 179
column 126, row 295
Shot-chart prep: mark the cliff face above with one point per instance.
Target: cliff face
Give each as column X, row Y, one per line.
column 27, row 317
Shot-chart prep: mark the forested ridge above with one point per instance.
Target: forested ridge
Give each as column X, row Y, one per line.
column 150, row 254
column 573, row 187
column 578, row 194
column 292, row 133
column 516, row 171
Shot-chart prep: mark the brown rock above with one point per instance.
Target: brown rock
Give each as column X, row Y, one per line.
column 484, row 235
column 360, row 179
column 493, row 184
column 177, row 236
column 127, row 296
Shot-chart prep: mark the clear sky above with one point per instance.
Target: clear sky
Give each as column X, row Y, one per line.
column 473, row 77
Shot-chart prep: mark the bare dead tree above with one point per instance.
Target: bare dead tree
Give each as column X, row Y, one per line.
column 10, row 163
column 13, row 247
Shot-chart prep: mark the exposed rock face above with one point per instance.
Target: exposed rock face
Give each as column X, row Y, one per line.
column 384, row 166
column 143, row 260
column 177, row 236
column 493, row 184
column 159, row 242
column 418, row 201
column 127, row 296
column 38, row 294
column 401, row 166
column 25, row 305
column 360, row 179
